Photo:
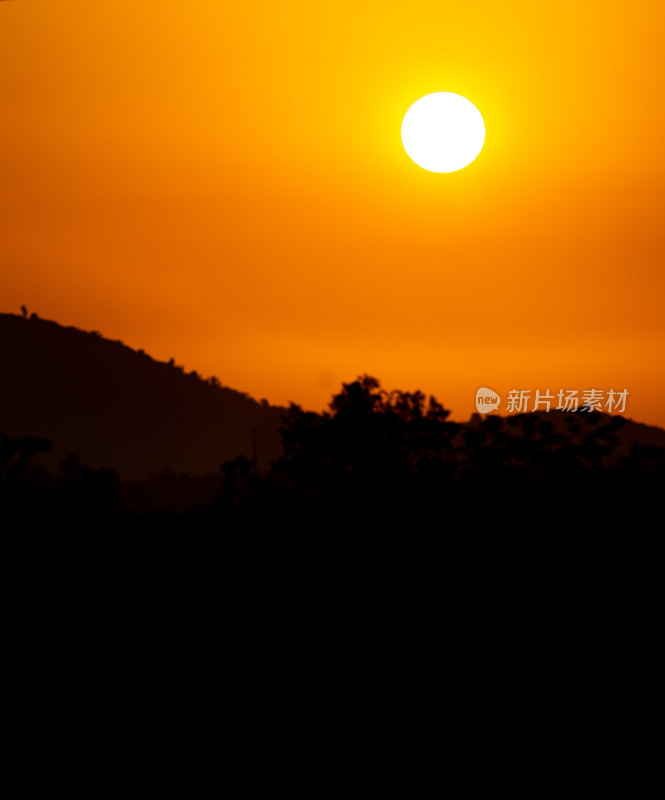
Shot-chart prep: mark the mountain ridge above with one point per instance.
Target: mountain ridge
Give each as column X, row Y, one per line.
column 120, row 408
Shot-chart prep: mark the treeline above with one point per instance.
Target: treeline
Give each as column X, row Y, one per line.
column 373, row 461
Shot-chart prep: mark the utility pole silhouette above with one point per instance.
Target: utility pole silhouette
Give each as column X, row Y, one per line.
column 255, row 448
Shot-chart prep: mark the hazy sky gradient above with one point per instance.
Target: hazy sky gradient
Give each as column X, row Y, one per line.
column 226, row 185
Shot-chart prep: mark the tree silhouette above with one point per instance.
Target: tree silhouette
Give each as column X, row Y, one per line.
column 395, row 455
column 372, row 448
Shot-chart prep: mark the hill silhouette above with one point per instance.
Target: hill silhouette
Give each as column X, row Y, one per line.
column 376, row 460
column 82, row 405
column 118, row 408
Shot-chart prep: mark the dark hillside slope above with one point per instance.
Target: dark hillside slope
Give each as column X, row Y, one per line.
column 115, row 407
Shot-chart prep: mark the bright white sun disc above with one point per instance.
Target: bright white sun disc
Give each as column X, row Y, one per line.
column 443, row 132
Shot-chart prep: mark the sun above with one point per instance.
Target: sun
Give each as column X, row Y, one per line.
column 443, row 132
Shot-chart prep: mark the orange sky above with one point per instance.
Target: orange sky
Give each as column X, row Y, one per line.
column 227, row 185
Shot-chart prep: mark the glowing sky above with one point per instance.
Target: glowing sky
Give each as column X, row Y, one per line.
column 225, row 184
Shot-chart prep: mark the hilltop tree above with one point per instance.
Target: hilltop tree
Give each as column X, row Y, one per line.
column 370, row 446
